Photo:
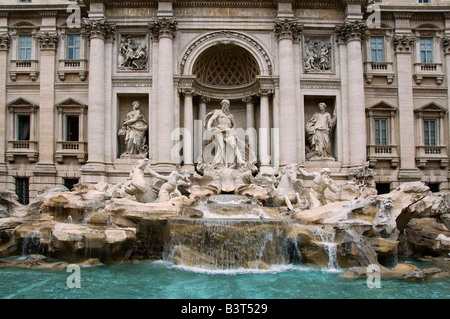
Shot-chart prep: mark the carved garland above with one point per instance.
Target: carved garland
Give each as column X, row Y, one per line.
column 228, row 35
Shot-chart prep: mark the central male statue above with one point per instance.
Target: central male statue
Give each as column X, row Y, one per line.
column 226, row 147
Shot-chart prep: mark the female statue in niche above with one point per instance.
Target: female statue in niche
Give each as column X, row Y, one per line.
column 134, row 128
column 318, row 130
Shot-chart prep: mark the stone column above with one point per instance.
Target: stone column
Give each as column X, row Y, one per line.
column 264, row 131
column 48, row 43
column 250, row 111
column 189, row 129
column 202, row 107
column 4, row 46
column 164, row 29
column 286, row 30
column 201, row 117
column 404, row 46
column 351, row 33
column 98, row 30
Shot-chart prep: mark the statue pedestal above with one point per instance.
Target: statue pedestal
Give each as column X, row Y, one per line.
column 133, row 156
column 322, row 159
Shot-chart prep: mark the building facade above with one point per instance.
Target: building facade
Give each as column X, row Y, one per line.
column 76, row 76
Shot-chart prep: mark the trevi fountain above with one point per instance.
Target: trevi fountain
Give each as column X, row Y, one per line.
column 216, row 229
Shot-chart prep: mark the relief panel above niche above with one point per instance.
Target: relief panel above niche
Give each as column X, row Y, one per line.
column 317, row 54
column 133, row 53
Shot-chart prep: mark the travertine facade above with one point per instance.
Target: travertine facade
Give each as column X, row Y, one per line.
column 70, row 72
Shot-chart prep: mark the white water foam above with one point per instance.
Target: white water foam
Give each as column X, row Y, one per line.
column 274, row 269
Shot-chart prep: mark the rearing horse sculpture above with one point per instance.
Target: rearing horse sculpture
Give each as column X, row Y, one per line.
column 284, row 187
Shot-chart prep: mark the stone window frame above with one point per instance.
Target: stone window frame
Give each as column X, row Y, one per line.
column 24, row 67
column 72, row 66
column 428, row 70
column 424, row 154
column 66, row 148
column 379, row 69
column 388, row 152
column 17, row 147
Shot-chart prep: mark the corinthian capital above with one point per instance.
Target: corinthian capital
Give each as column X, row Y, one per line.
column 350, row 31
column 4, row 42
column 404, row 43
column 287, row 28
column 98, row 28
column 47, row 41
column 163, row 27
column 446, row 44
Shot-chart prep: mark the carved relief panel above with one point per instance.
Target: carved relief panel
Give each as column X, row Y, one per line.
column 317, row 54
column 133, row 52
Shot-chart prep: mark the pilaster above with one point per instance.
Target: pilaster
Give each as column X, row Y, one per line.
column 446, row 46
column 4, row 47
column 45, row 170
column 404, row 47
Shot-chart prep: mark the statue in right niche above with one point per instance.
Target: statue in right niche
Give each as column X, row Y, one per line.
column 318, row 131
column 134, row 129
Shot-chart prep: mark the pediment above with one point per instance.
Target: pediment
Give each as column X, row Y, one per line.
column 382, row 106
column 21, row 103
column 432, row 107
column 70, row 103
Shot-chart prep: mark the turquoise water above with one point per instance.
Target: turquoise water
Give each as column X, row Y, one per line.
column 163, row 280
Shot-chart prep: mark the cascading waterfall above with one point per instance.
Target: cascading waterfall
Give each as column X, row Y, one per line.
column 32, row 243
column 326, row 238
column 229, row 243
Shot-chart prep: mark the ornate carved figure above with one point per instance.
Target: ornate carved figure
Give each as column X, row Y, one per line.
column 318, row 130
column 137, row 186
column 321, row 182
column 131, row 55
column 226, row 148
column 134, row 128
column 284, row 187
column 169, row 188
column 317, row 54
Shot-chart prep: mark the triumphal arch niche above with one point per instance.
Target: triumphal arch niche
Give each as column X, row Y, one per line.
column 233, row 66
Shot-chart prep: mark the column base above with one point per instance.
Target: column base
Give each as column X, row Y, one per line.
column 163, row 167
column 408, row 175
column 267, row 170
column 189, row 167
column 93, row 173
column 3, row 169
column 42, row 169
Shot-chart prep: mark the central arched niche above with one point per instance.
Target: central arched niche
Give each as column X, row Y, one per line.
column 226, row 66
